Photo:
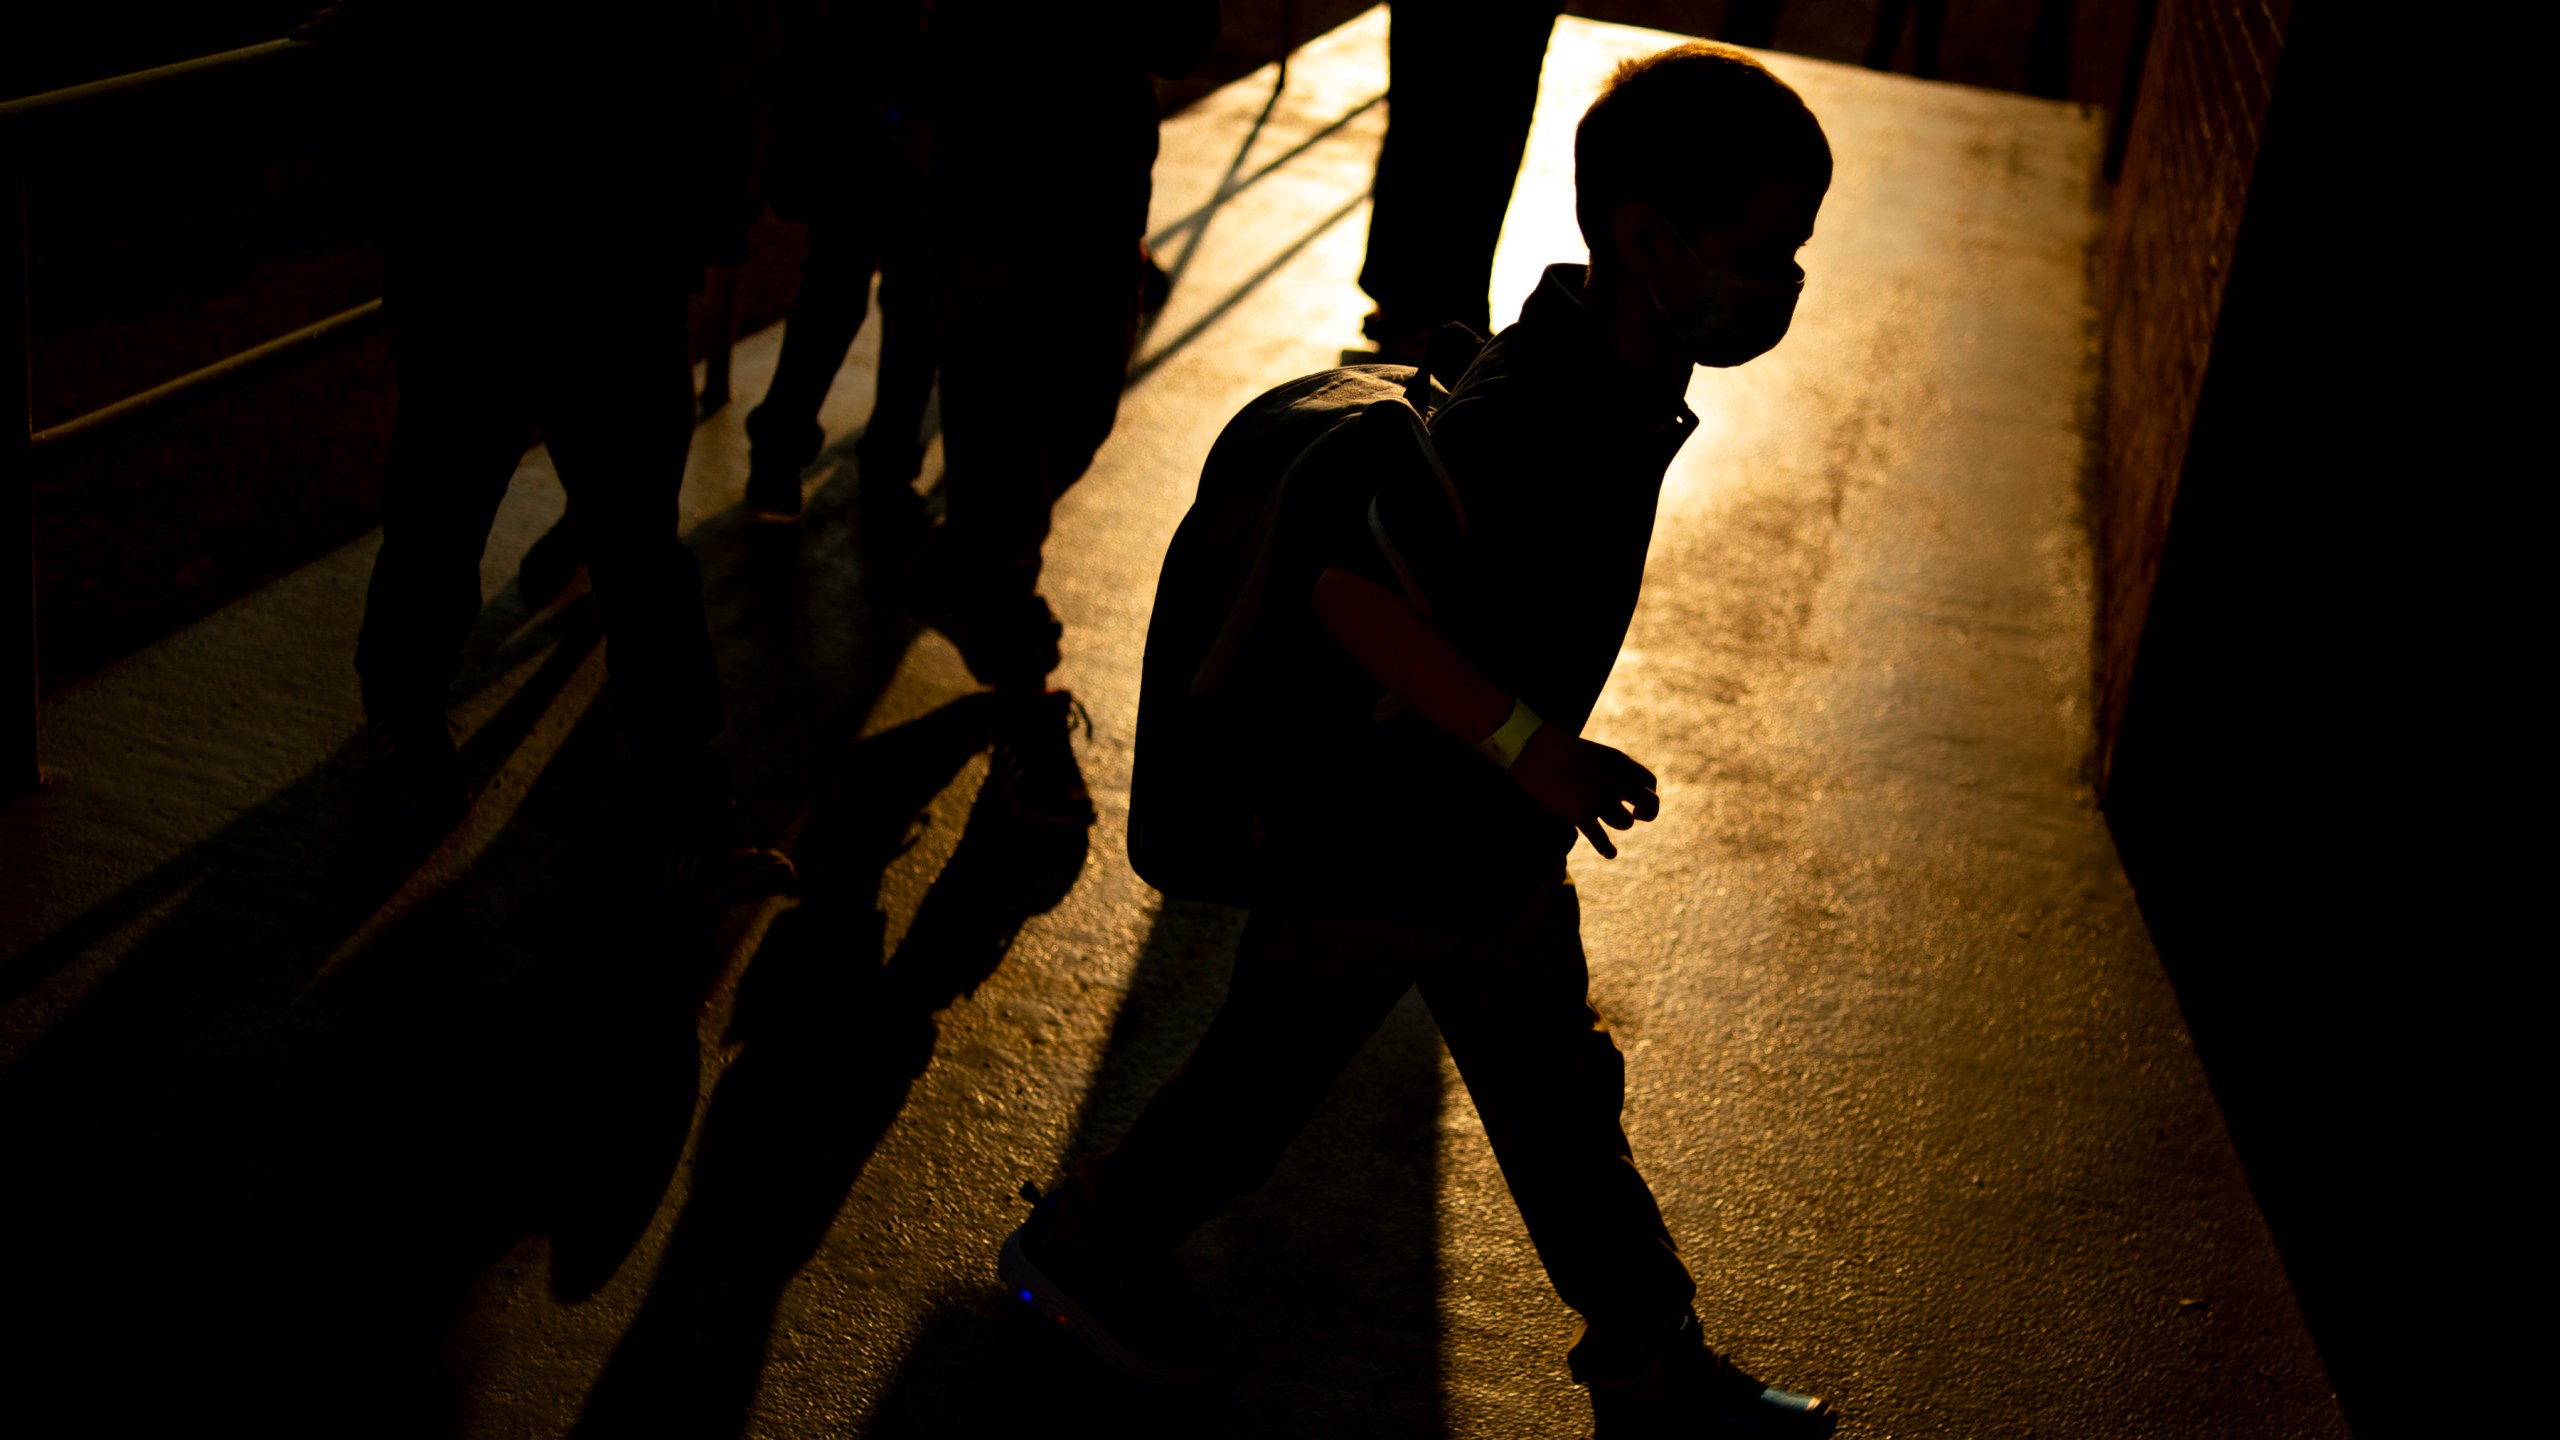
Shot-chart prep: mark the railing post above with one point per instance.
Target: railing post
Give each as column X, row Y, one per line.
column 17, row 500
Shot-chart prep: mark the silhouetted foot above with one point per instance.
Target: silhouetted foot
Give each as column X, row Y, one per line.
column 1400, row 341
column 720, row 874
column 412, row 771
column 1008, row 638
column 1133, row 1307
column 773, row 493
column 548, row 568
column 891, row 508
column 1692, row 1393
column 884, row 461
column 779, row 447
column 1035, row 768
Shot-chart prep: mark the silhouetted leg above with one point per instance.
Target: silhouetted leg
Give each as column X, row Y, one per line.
column 1887, row 36
column 619, row 420
column 1924, row 40
column 835, row 292
column 1032, row 363
column 1750, row 22
column 1465, row 78
column 889, row 448
column 1549, row 1084
column 462, row 426
column 1307, row 994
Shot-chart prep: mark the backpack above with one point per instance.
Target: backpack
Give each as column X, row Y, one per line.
column 1314, row 452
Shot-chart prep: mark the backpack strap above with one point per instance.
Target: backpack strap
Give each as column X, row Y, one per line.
column 1244, row 613
column 1453, row 348
column 1405, row 578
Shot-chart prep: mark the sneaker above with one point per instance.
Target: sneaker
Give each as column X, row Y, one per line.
column 884, row 461
column 1010, row 643
column 1035, row 767
column 717, row 876
column 1133, row 1308
column 413, row 770
column 1398, row 342
column 549, row 567
column 773, row 493
column 778, row 449
column 1693, row 1393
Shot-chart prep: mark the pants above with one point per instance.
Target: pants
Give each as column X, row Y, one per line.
column 1034, row 349
column 881, row 229
column 599, row 370
column 1465, row 79
column 1538, row 1061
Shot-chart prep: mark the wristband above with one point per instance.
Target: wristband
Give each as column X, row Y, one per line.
column 1503, row 746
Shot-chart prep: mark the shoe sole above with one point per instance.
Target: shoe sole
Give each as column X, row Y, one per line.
column 1049, row 819
column 761, row 883
column 1032, row 1286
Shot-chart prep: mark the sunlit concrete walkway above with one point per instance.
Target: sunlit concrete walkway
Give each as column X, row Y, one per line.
column 466, row 1142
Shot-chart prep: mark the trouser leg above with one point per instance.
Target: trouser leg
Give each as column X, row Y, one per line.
column 1924, row 40
column 906, row 317
column 906, row 356
column 619, row 422
column 835, row 293
column 1032, row 361
column 1886, row 37
column 1750, row 22
column 462, row 425
column 1549, row 1084
column 1465, row 79
column 1306, row 995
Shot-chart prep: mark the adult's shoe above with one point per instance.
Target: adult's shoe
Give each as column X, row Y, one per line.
column 1035, row 767
column 1400, row 340
column 721, row 873
column 1690, row 1392
column 778, row 449
column 1007, row 637
column 1131, row 1306
column 549, row 566
column 412, row 769
column 884, row 460
column 773, row 492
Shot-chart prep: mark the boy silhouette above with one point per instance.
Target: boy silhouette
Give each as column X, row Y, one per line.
column 1698, row 176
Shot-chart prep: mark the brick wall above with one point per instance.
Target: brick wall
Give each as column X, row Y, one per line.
column 2189, row 155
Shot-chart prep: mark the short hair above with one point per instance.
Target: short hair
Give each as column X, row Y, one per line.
column 1691, row 131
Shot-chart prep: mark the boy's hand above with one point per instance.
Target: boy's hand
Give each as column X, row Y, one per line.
column 1586, row 784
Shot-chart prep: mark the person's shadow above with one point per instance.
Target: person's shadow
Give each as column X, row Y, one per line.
column 830, row 1037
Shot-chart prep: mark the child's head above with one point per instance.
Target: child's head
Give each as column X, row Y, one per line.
column 1697, row 160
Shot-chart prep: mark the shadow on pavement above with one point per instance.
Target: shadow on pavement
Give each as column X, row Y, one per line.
column 1329, row 1274
column 830, row 1040
column 255, row 1189
column 256, row 1168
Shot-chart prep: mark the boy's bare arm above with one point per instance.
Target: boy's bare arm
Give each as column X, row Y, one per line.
column 1583, row 783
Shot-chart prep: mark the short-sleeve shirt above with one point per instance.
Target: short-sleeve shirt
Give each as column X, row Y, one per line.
column 1556, row 450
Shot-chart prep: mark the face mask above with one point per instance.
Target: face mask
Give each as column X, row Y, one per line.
column 1734, row 318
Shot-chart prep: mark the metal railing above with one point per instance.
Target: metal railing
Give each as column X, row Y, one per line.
column 68, row 120
column 51, row 124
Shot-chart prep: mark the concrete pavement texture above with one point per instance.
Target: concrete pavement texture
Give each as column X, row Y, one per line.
column 313, row 1133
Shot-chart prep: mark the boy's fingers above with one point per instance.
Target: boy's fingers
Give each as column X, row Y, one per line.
column 1616, row 817
column 1599, row 839
column 1648, row 804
